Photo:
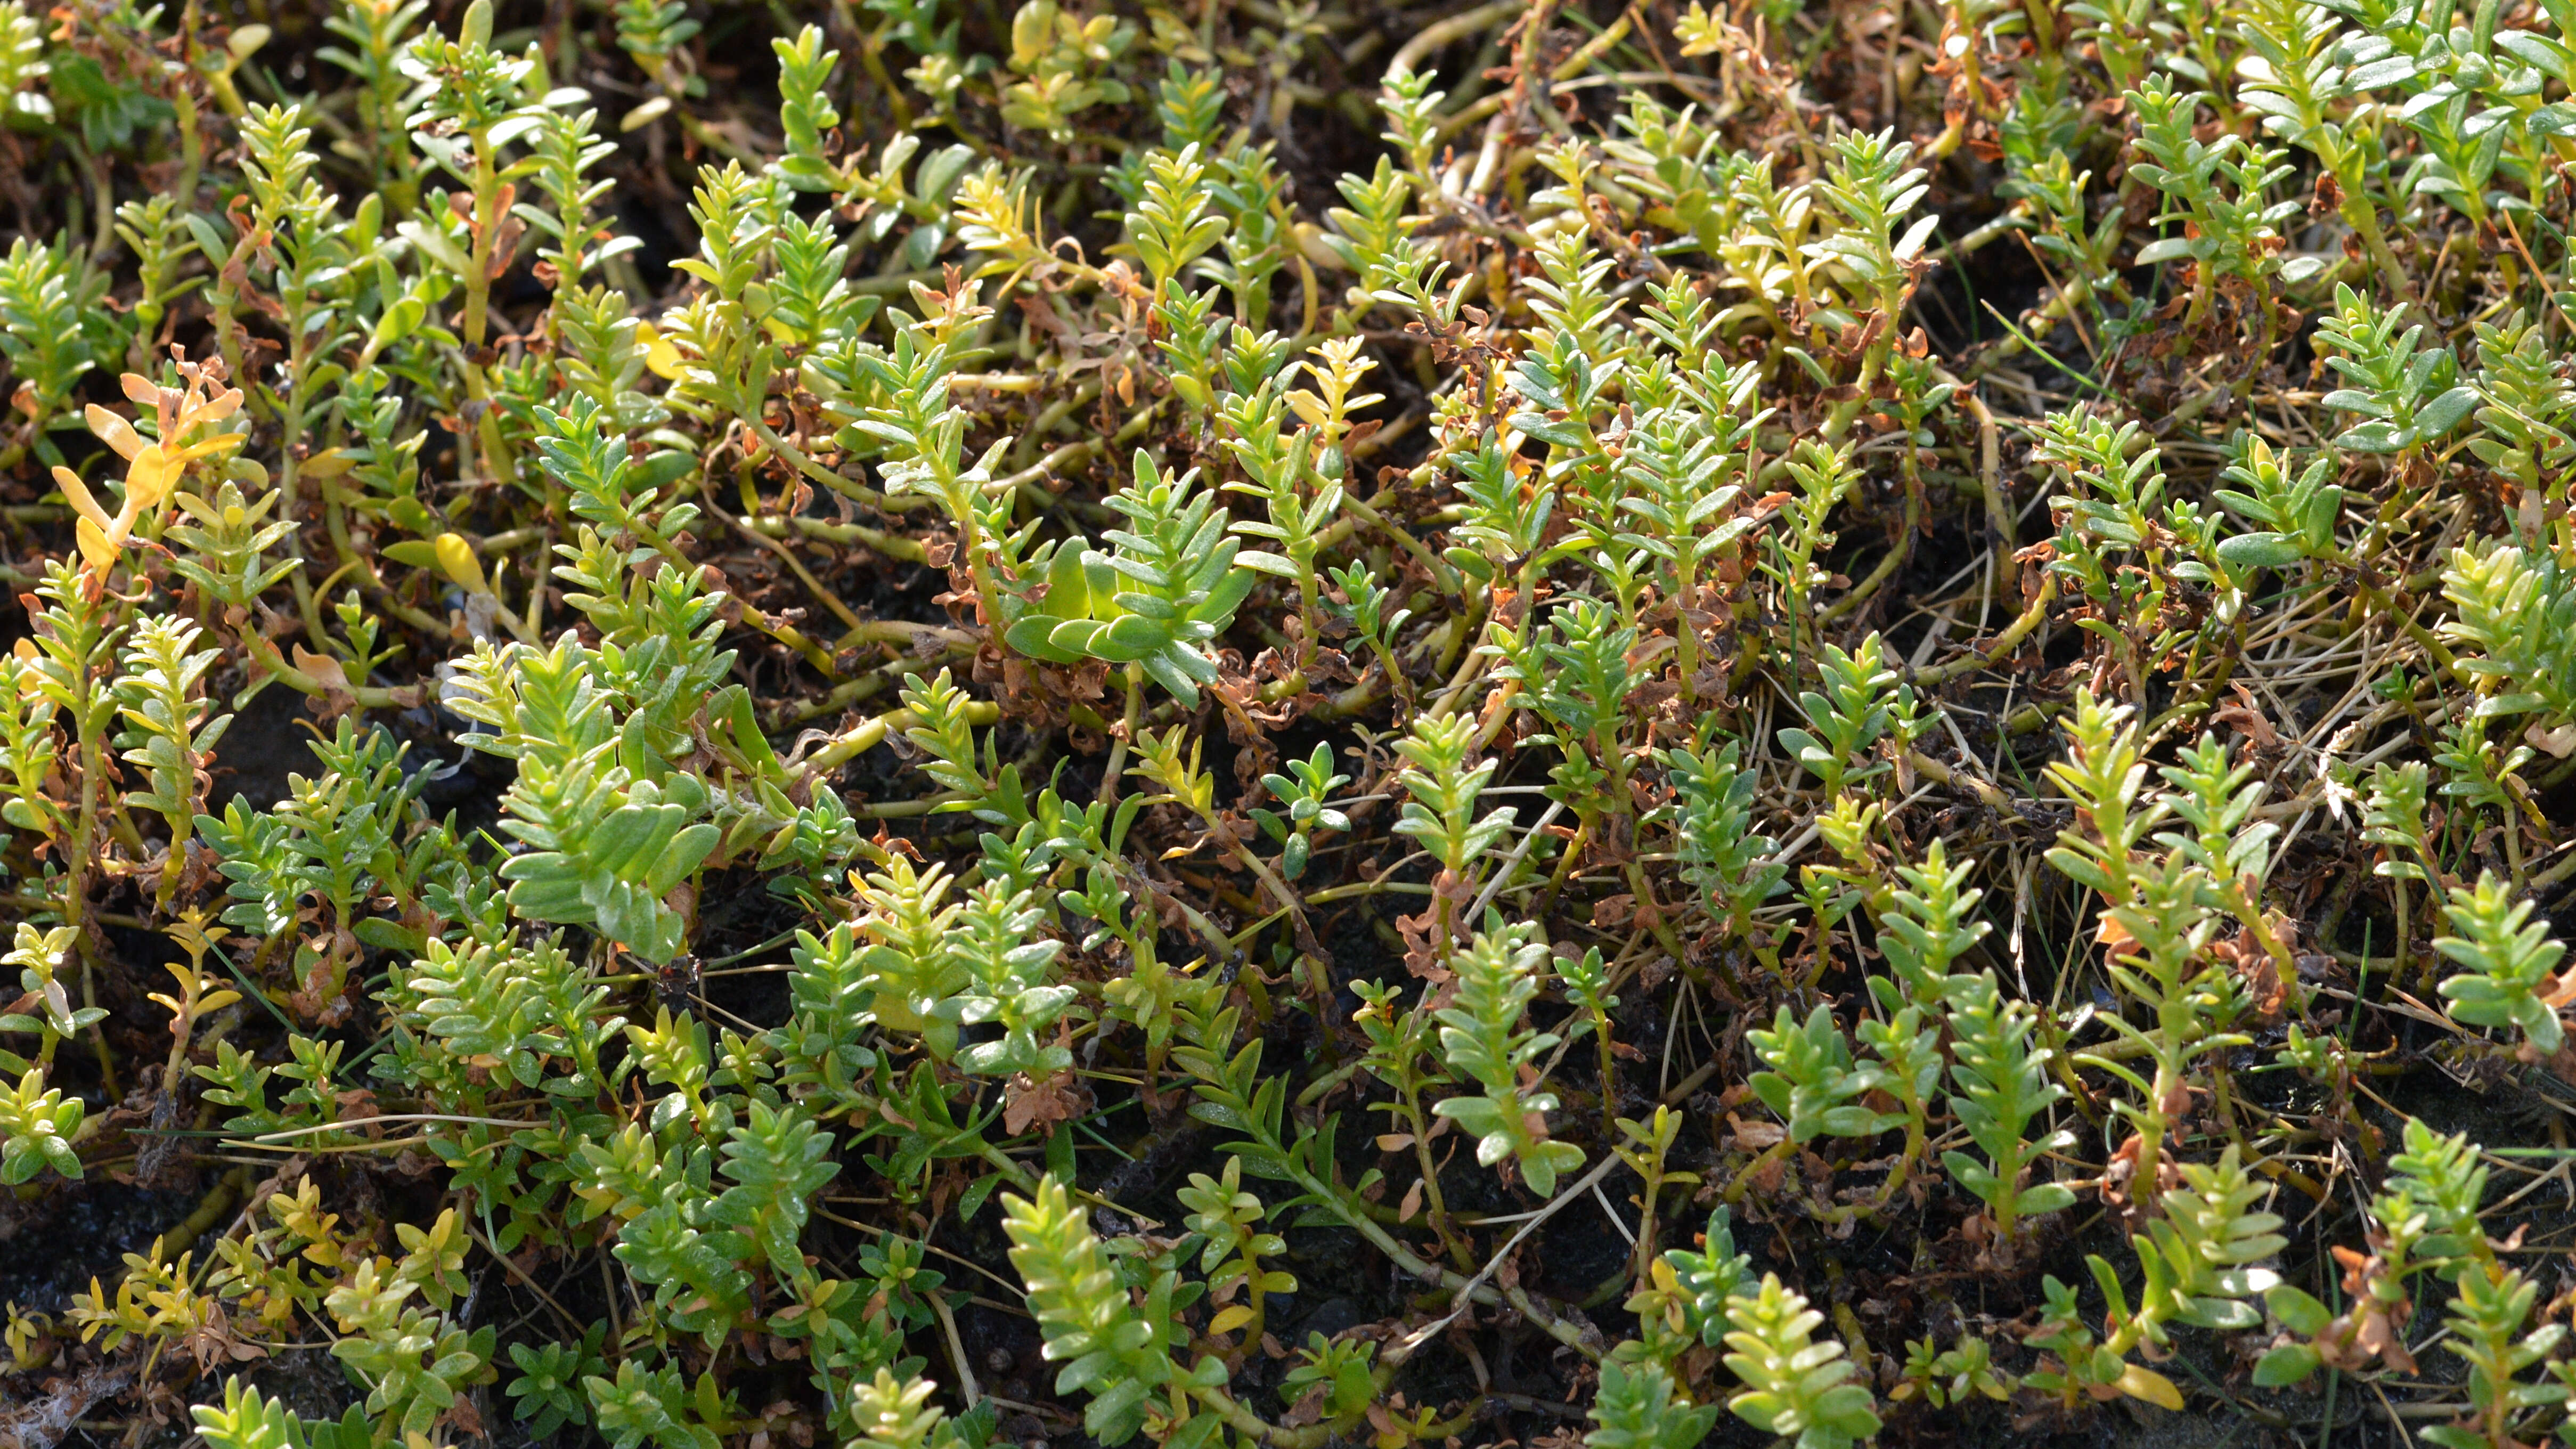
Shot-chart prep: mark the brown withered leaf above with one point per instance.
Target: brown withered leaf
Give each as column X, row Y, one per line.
column 1308, row 1409
column 1421, row 955
column 1753, row 1136
column 2562, row 1062
column 2117, row 1172
column 212, row 1342
column 2261, row 974
column 1027, row 1103
column 2247, row 718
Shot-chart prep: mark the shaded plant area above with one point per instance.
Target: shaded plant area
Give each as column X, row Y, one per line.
column 905, row 724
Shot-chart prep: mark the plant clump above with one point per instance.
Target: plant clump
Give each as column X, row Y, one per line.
column 931, row 723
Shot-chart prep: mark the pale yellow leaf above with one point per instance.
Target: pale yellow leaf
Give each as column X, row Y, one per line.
column 208, row 446
column 456, row 560
column 2147, row 1384
column 217, row 408
column 659, row 354
column 77, row 494
column 327, row 465
column 112, row 430
column 148, row 480
column 95, row 549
